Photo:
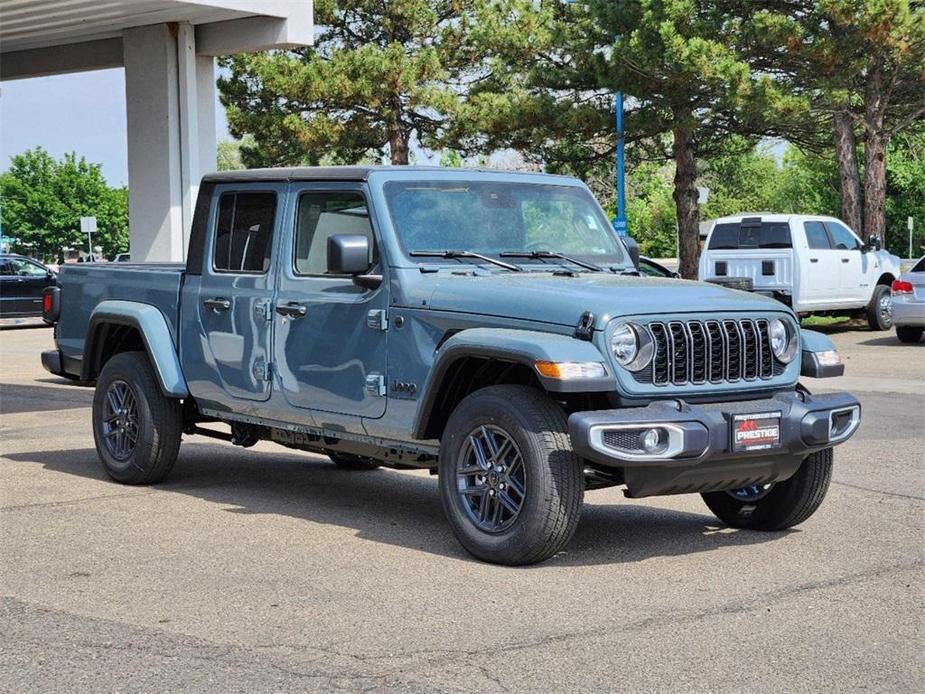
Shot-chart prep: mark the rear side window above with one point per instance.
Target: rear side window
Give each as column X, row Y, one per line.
column 919, row 266
column 816, row 236
column 244, row 232
column 736, row 235
column 322, row 215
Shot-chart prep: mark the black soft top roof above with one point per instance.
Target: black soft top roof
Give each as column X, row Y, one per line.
column 305, row 173
column 327, row 173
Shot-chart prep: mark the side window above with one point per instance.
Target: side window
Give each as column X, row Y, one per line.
column 322, row 215
column 244, row 232
column 24, row 268
column 6, row 268
column 816, row 236
column 842, row 237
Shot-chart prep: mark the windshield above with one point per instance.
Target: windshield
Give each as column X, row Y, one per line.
column 492, row 218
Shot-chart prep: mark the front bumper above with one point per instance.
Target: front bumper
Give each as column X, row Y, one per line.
column 698, row 454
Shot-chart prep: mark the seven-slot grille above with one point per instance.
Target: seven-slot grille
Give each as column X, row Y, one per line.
column 709, row 351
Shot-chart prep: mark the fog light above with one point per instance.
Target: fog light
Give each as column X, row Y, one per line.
column 651, row 440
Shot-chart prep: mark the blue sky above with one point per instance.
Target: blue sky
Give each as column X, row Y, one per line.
column 82, row 112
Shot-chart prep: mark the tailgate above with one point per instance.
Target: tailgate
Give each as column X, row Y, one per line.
column 767, row 269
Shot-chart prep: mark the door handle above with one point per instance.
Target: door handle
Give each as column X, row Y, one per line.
column 814, row 260
column 846, row 260
column 217, row 304
column 292, row 309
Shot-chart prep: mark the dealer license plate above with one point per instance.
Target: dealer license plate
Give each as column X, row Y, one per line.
column 755, row 432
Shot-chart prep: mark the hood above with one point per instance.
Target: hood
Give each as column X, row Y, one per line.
column 549, row 298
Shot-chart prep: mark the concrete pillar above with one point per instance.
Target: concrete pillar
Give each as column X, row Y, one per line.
column 170, row 108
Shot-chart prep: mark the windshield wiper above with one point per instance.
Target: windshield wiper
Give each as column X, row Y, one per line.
column 466, row 254
column 551, row 254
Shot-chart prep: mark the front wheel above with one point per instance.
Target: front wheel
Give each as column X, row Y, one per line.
column 776, row 506
column 510, row 483
column 136, row 427
column 880, row 309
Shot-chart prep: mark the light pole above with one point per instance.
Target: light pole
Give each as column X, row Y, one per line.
column 619, row 222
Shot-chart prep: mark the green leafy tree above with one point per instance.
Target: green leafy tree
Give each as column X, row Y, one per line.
column 44, row 199
column 688, row 90
column 905, row 191
column 859, row 65
column 380, row 76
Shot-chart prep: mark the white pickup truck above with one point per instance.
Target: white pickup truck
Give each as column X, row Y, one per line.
column 812, row 263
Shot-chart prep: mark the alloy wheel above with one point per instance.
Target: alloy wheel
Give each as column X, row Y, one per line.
column 491, row 479
column 120, row 420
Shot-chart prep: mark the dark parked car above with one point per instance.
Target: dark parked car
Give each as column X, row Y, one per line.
column 649, row 268
column 22, row 281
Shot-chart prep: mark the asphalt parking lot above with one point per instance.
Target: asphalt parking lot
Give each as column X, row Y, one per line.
column 267, row 570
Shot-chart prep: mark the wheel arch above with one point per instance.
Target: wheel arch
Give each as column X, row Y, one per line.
column 121, row 326
column 886, row 278
column 478, row 357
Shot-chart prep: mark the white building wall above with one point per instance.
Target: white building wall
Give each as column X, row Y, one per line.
column 170, row 103
column 152, row 112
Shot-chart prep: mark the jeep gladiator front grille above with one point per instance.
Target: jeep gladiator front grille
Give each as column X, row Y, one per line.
column 709, row 351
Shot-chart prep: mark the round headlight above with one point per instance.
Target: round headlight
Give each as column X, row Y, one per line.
column 624, row 344
column 631, row 345
column 783, row 340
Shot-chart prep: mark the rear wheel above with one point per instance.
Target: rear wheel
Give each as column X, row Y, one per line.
column 880, row 309
column 510, row 483
column 136, row 427
column 776, row 506
column 908, row 334
column 353, row 462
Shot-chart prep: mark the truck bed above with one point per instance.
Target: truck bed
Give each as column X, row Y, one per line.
column 85, row 285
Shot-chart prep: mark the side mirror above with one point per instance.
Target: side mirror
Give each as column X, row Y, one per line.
column 873, row 243
column 348, row 254
column 633, row 249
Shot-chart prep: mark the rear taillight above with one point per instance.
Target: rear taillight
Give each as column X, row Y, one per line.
column 51, row 304
column 901, row 287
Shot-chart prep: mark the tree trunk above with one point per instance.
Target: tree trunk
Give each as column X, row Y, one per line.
column 849, row 176
column 685, row 200
column 875, row 144
column 398, row 134
column 875, row 185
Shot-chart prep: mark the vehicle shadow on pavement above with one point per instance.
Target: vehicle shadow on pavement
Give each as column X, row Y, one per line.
column 22, row 324
column 890, row 340
column 401, row 509
column 17, row 398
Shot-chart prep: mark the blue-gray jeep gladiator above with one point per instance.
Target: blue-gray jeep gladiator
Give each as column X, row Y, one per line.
column 487, row 326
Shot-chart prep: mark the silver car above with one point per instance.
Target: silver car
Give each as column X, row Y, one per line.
column 909, row 303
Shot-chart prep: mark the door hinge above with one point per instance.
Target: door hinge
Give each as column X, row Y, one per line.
column 263, row 370
column 264, row 310
column 375, row 384
column 377, row 319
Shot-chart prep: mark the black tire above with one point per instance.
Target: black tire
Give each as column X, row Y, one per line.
column 157, row 423
column 786, row 504
column 352, row 462
column 908, row 334
column 552, row 475
column 877, row 318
